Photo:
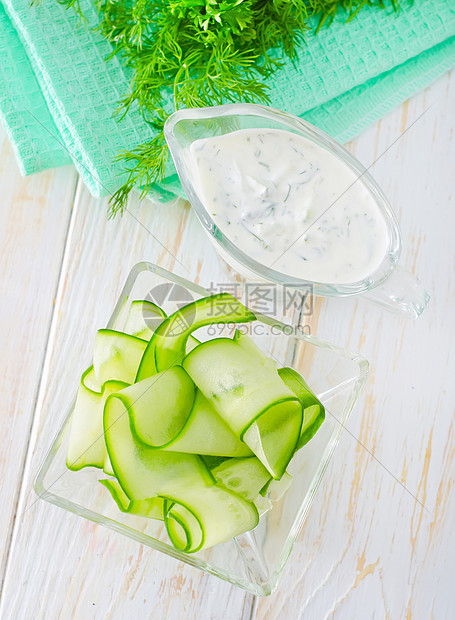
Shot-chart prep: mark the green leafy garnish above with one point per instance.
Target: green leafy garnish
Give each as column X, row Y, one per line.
column 196, row 53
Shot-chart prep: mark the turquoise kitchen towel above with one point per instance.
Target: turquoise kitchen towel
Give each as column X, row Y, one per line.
column 20, row 92
column 58, row 93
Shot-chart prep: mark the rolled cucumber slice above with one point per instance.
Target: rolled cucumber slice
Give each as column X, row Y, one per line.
column 108, row 466
column 89, row 380
column 144, row 472
column 313, row 409
column 238, row 386
column 212, row 461
column 251, row 347
column 244, row 476
column 275, row 489
column 166, row 413
column 159, row 406
column 143, row 318
column 86, row 443
column 151, row 508
column 273, row 435
column 117, row 356
column 202, row 517
column 197, row 513
column 168, row 344
column 206, row 433
column 252, row 399
column 203, row 445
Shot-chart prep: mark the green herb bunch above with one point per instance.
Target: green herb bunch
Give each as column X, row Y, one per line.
column 195, row 53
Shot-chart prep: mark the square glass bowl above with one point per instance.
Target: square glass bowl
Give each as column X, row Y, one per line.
column 255, row 560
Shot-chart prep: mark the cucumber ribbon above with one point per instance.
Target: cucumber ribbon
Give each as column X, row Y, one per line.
column 196, row 434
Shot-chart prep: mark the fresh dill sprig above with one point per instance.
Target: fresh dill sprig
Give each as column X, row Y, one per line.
column 195, row 53
column 69, row 4
column 327, row 9
column 140, row 176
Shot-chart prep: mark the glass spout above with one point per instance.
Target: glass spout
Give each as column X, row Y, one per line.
column 401, row 293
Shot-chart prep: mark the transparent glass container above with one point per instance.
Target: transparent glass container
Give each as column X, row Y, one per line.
column 255, row 560
column 389, row 285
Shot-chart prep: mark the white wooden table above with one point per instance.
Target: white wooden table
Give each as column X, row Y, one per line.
column 368, row 549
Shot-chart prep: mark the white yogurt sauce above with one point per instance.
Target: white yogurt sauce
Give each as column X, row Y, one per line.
column 290, row 204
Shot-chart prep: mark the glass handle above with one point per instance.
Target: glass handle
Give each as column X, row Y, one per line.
column 401, row 293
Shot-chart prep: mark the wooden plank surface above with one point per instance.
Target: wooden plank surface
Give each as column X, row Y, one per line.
column 148, row 582
column 34, row 216
column 368, row 549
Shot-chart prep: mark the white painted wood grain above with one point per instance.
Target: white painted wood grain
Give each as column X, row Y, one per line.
column 368, row 549
column 75, row 568
column 34, row 216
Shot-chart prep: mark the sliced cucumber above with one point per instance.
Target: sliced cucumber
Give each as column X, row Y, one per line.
column 212, row 461
column 168, row 344
column 203, row 517
column 251, row 398
column 117, row 356
column 160, row 405
column 263, row 505
column 197, row 513
column 313, row 409
column 90, row 381
column 206, row 433
column 165, row 414
column 143, row 318
column 192, row 343
column 275, row 489
column 107, row 468
column 183, row 527
column 251, row 347
column 203, row 445
column 274, row 434
column 244, row 476
column 86, row 444
column 236, row 384
column 144, row 472
column 151, row 508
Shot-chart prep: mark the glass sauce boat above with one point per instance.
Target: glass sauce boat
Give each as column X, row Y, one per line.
column 389, row 285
